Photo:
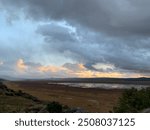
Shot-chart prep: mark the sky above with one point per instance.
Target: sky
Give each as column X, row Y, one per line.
column 74, row 38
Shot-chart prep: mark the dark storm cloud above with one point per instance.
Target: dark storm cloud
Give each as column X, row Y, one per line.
column 61, row 40
column 117, row 17
column 127, row 54
column 56, row 32
column 107, row 31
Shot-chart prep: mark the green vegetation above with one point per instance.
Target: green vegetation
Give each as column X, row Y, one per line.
column 133, row 100
column 54, row 107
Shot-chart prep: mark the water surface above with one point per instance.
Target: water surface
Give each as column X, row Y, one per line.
column 104, row 85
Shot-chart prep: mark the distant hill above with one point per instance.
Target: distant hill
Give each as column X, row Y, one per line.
column 141, row 80
column 3, row 78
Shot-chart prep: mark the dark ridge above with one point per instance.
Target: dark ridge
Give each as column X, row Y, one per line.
column 138, row 81
column 2, row 80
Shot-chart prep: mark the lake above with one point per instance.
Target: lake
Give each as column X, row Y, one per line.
column 103, row 85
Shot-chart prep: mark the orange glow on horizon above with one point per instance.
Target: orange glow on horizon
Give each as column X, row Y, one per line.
column 92, row 74
column 81, row 66
column 53, row 69
column 77, row 70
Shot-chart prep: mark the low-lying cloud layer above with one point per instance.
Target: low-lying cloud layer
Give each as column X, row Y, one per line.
column 105, row 38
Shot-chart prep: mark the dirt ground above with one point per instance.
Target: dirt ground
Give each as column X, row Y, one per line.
column 90, row 99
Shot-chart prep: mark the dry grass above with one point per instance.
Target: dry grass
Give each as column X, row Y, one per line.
column 92, row 100
column 14, row 104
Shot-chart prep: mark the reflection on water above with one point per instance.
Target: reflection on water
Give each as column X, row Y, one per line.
column 104, row 85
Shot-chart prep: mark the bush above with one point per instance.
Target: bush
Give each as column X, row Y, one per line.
column 19, row 93
column 133, row 100
column 3, row 87
column 9, row 94
column 54, row 107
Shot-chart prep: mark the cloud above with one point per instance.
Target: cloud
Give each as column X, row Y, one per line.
column 74, row 70
column 66, row 70
column 21, row 65
column 53, row 69
column 104, row 67
column 1, row 63
column 105, row 37
column 116, row 17
column 33, row 70
column 74, row 67
column 126, row 55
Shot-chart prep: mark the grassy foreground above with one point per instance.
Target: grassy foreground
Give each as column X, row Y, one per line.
column 19, row 102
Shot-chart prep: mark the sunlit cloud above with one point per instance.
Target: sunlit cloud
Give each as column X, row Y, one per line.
column 70, row 70
column 102, row 66
column 54, row 69
column 94, row 74
column 21, row 65
column 77, row 70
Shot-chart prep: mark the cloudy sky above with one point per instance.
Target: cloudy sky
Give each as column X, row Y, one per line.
column 74, row 38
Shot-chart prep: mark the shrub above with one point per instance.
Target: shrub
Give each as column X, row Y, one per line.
column 133, row 100
column 9, row 94
column 54, row 107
